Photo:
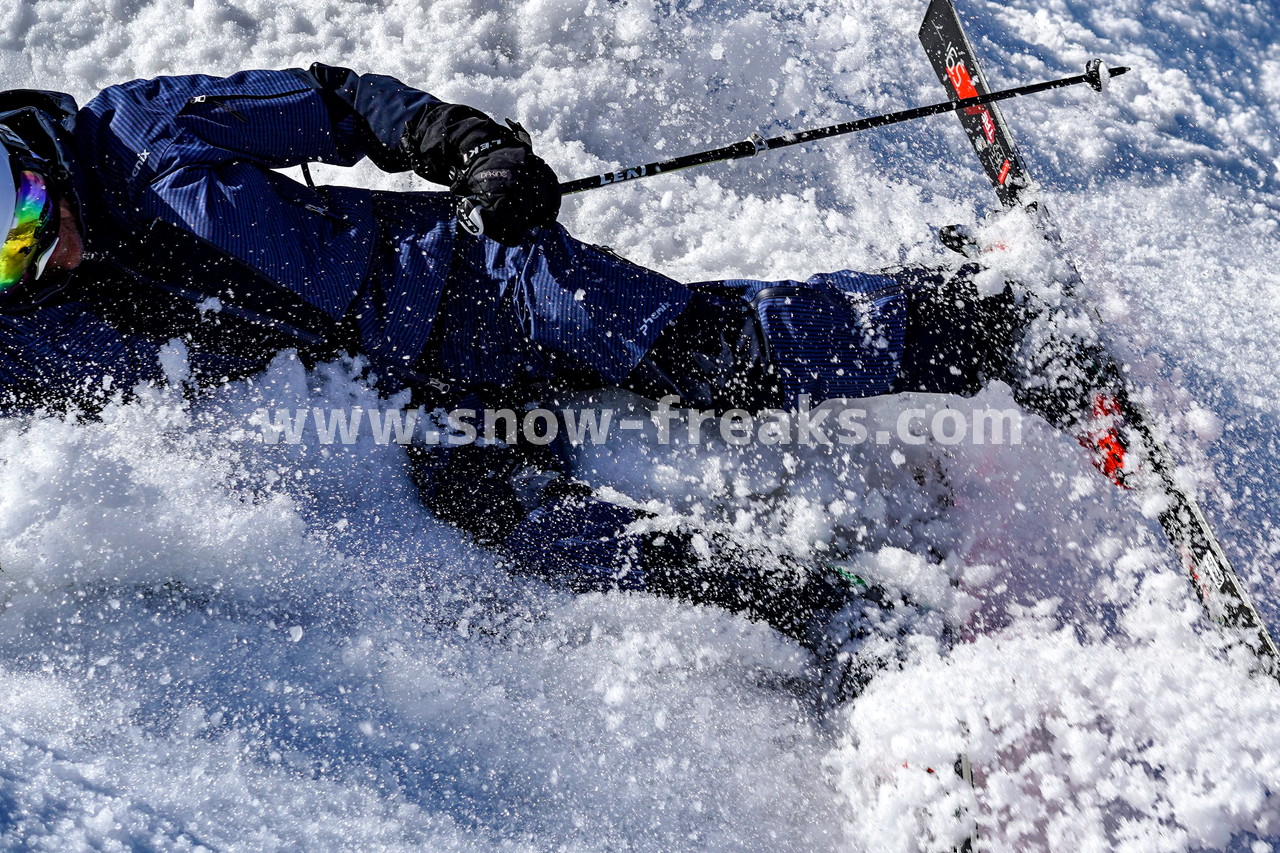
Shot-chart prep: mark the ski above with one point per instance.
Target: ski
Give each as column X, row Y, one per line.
column 1127, row 429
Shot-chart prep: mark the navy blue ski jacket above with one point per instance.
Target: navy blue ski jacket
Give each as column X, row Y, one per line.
column 179, row 198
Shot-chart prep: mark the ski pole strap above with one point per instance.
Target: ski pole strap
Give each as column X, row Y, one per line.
column 754, row 144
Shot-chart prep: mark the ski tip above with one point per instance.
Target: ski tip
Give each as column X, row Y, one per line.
column 1118, row 70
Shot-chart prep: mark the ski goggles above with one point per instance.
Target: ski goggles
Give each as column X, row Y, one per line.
column 33, row 234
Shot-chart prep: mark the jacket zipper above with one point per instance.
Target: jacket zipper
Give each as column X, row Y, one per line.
column 327, row 212
column 220, row 101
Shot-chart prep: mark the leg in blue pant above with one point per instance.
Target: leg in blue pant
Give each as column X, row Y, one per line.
column 756, row 345
column 577, row 316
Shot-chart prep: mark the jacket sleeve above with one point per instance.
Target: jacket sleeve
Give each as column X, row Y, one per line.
column 273, row 118
column 325, row 114
column 373, row 113
column 396, row 126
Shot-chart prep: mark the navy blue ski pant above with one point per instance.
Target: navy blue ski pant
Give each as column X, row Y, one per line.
column 557, row 316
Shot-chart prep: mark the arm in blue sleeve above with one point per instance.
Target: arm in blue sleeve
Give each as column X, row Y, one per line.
column 137, row 131
column 355, row 115
column 372, row 113
column 401, row 128
column 283, row 118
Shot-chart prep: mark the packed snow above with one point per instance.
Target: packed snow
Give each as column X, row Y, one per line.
column 211, row 643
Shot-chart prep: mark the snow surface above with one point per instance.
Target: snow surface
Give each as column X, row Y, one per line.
column 213, row 644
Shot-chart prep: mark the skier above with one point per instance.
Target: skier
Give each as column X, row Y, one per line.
column 154, row 213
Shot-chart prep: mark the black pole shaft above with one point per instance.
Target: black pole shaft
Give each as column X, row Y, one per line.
column 753, row 146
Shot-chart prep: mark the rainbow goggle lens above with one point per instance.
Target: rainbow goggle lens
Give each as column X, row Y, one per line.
column 32, row 236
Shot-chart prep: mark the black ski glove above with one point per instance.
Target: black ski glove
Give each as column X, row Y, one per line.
column 489, row 166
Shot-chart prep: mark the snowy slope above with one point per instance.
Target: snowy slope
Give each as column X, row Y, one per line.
column 206, row 643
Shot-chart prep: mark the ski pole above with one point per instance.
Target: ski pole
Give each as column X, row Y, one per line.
column 1096, row 75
